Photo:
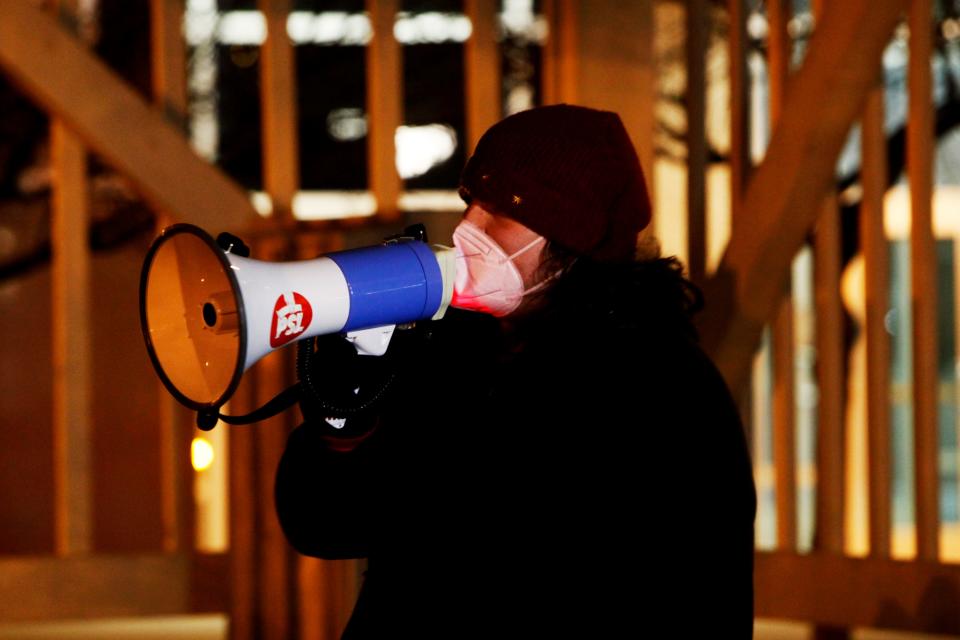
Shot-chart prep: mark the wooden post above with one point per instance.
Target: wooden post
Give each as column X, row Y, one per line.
column 559, row 70
column 739, row 107
column 168, row 60
column 278, row 97
column 72, row 335
column 873, row 177
column 384, row 108
column 784, row 406
column 697, row 21
column 244, row 573
column 831, row 379
column 482, row 61
column 830, row 372
column 72, row 373
column 168, row 74
column 271, row 376
column 923, row 279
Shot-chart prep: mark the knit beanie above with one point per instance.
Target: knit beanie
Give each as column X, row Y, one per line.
column 569, row 173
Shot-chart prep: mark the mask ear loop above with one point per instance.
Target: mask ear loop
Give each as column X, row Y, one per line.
column 525, row 248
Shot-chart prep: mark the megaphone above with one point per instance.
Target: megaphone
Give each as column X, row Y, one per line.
column 208, row 313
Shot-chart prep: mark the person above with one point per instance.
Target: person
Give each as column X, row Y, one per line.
column 557, row 455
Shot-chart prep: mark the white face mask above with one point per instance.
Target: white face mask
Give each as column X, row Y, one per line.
column 487, row 279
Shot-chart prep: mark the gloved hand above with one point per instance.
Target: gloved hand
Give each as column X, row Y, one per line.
column 342, row 390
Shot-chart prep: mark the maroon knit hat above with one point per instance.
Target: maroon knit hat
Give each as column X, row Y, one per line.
column 569, row 173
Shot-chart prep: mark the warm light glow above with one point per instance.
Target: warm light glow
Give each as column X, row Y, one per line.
column 249, row 28
column 242, row 28
column 419, row 149
column 201, row 454
column 431, row 27
column 946, row 212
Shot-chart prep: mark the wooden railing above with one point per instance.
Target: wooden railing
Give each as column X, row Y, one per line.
column 590, row 58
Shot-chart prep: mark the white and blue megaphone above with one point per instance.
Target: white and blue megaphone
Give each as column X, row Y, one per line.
column 208, row 313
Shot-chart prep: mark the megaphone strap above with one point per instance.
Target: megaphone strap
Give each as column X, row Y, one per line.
column 207, row 419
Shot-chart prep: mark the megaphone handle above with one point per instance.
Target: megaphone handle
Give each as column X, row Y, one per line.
column 207, row 418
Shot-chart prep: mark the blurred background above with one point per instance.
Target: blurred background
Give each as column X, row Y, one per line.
column 804, row 159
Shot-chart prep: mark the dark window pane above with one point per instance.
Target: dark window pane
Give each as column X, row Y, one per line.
column 433, row 94
column 331, row 93
column 238, row 110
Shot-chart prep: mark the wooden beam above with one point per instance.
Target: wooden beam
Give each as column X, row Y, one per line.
column 384, row 108
column 784, row 433
column 848, row 592
column 778, row 54
column 784, row 196
column 831, row 381
column 873, row 238
column 272, row 375
column 560, row 59
column 830, row 378
column 923, row 278
column 109, row 117
column 72, row 337
column 278, row 97
column 697, row 21
column 169, row 86
column 45, row 588
column 243, row 519
column 784, row 378
column 740, row 164
column 482, row 68
column 168, row 60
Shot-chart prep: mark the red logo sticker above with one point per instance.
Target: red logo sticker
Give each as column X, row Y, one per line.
column 291, row 317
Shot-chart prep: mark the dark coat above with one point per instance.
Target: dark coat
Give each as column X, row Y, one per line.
column 590, row 477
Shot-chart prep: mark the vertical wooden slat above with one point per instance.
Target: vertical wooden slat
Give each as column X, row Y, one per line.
column 168, row 59
column 384, row 108
column 559, row 67
column 273, row 375
column 739, row 106
column 243, row 522
column 873, row 176
column 168, row 75
column 647, row 99
column 830, row 371
column 739, row 82
column 72, row 377
column 482, row 62
column 784, row 445
column 278, row 99
column 923, row 278
column 778, row 54
column 72, row 336
column 325, row 591
column 697, row 16
column 956, row 358
column 831, row 379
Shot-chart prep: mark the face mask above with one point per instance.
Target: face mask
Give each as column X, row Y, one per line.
column 487, row 279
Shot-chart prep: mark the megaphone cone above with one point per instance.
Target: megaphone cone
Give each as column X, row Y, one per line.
column 207, row 314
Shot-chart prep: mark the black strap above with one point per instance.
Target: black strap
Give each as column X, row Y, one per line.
column 207, row 420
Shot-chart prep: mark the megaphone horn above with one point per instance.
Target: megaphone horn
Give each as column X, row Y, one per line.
column 208, row 313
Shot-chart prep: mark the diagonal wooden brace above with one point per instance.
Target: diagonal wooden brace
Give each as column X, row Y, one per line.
column 70, row 82
column 824, row 98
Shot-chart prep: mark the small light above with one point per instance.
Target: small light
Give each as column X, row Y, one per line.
column 201, row 454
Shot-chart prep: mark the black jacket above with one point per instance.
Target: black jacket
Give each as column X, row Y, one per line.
column 589, row 477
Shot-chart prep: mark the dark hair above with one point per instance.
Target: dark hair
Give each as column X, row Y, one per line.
column 651, row 291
